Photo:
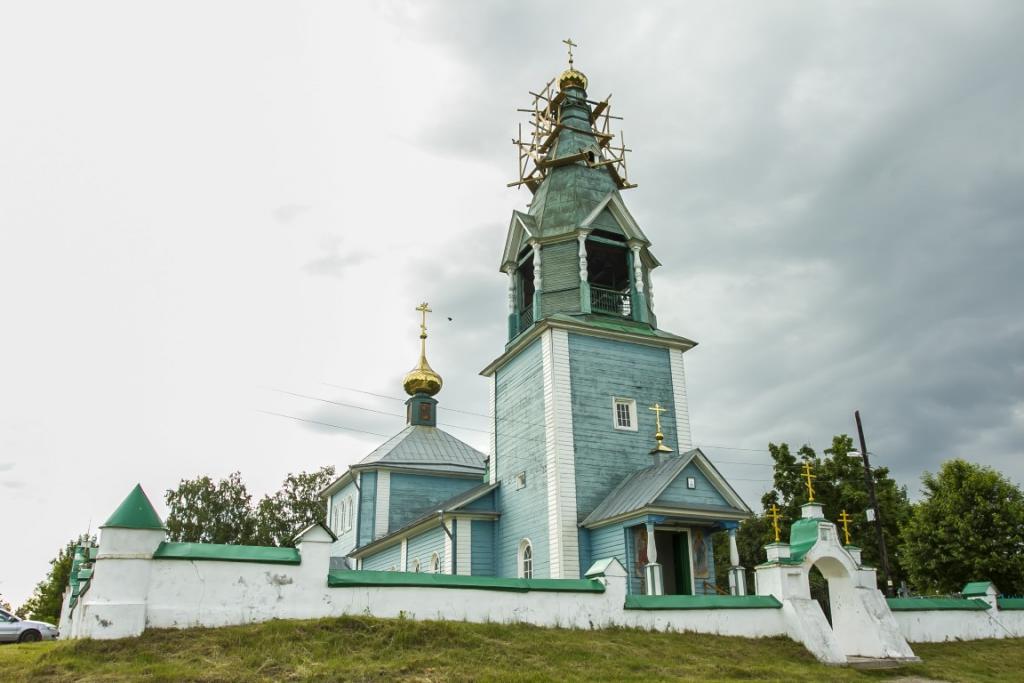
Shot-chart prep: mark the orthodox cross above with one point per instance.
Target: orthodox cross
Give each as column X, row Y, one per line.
column 774, row 515
column 424, row 308
column 568, row 41
column 808, row 476
column 845, row 519
column 658, row 436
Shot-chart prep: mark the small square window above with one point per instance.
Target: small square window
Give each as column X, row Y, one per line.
column 624, row 414
column 691, row 483
column 521, row 481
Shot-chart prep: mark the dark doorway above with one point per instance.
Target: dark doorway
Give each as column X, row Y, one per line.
column 819, row 592
column 674, row 556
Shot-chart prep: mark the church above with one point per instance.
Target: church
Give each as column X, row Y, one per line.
column 590, row 450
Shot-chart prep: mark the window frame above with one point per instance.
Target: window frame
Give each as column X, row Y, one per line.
column 435, row 564
column 525, row 559
column 630, row 404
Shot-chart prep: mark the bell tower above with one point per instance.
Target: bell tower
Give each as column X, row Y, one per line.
column 584, row 358
column 576, row 250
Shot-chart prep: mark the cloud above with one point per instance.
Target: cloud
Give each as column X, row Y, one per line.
column 335, row 261
column 289, row 212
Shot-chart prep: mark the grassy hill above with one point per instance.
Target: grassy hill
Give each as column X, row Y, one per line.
column 367, row 649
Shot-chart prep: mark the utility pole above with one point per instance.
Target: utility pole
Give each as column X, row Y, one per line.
column 870, row 482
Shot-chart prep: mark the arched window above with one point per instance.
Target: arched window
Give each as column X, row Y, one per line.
column 416, row 566
column 525, row 559
column 435, row 564
column 340, row 519
column 350, row 515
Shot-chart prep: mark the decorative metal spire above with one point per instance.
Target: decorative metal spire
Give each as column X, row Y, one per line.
column 658, row 436
column 422, row 379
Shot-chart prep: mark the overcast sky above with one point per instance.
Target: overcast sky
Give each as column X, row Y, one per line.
column 206, row 204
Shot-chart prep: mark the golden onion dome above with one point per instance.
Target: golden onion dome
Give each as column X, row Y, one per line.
column 422, row 380
column 571, row 78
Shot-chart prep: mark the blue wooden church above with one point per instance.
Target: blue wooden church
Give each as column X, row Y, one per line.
column 590, row 452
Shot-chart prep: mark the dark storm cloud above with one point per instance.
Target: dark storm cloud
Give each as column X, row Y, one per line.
column 835, row 192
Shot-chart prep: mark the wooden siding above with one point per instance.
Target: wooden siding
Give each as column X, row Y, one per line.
column 560, row 278
column 603, row 369
column 519, row 446
column 462, row 529
column 609, row 541
column 384, row 560
column 678, row 495
column 423, row 546
column 681, row 403
column 346, row 539
column 563, row 538
column 367, row 506
column 413, row 495
column 383, row 505
column 483, row 548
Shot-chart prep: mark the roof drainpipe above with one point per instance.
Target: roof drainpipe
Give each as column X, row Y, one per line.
column 440, row 517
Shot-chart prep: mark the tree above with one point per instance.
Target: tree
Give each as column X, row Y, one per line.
column 839, row 485
column 294, row 507
column 204, row 512
column 969, row 527
column 48, row 597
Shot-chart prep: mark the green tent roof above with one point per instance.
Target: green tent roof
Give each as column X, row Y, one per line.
column 135, row 512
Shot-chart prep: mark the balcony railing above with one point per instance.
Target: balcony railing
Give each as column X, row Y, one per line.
column 526, row 318
column 611, row 301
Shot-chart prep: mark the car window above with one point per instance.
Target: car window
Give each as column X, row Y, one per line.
column 5, row 616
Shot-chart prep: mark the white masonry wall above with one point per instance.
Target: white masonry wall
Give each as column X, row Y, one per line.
column 937, row 626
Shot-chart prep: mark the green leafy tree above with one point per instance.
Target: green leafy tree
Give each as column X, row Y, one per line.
column 294, row 507
column 202, row 511
column 839, row 485
column 968, row 527
column 48, row 597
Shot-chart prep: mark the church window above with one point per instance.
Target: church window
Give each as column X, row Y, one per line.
column 416, row 566
column 691, row 483
column 435, row 564
column 349, row 516
column 624, row 414
column 525, row 559
column 339, row 519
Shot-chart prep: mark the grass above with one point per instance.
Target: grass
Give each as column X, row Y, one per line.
column 368, row 649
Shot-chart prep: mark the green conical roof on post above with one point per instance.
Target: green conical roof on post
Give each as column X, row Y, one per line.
column 135, row 512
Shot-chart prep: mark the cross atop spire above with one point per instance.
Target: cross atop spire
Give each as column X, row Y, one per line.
column 571, row 45
column 809, row 477
column 422, row 379
column 658, row 409
column 845, row 519
column 774, row 516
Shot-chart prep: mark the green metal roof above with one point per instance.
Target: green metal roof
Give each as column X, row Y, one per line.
column 1010, row 603
column 340, row 579
column 976, row 588
column 227, row 553
column 135, row 512
column 702, row 602
column 936, row 603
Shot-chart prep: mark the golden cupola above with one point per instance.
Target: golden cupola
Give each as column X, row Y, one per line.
column 571, row 78
column 422, row 379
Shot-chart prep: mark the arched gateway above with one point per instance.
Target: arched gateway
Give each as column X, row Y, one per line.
column 862, row 625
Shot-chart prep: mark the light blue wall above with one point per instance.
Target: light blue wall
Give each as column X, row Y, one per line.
column 678, row 494
column 600, row 370
column 421, row 547
column 519, row 439
column 346, row 539
column 367, row 507
column 384, row 560
column 609, row 541
column 483, row 548
column 413, row 495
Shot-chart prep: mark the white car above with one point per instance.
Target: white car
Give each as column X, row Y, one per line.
column 16, row 630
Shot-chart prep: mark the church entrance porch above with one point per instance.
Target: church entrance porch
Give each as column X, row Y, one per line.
column 675, row 558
